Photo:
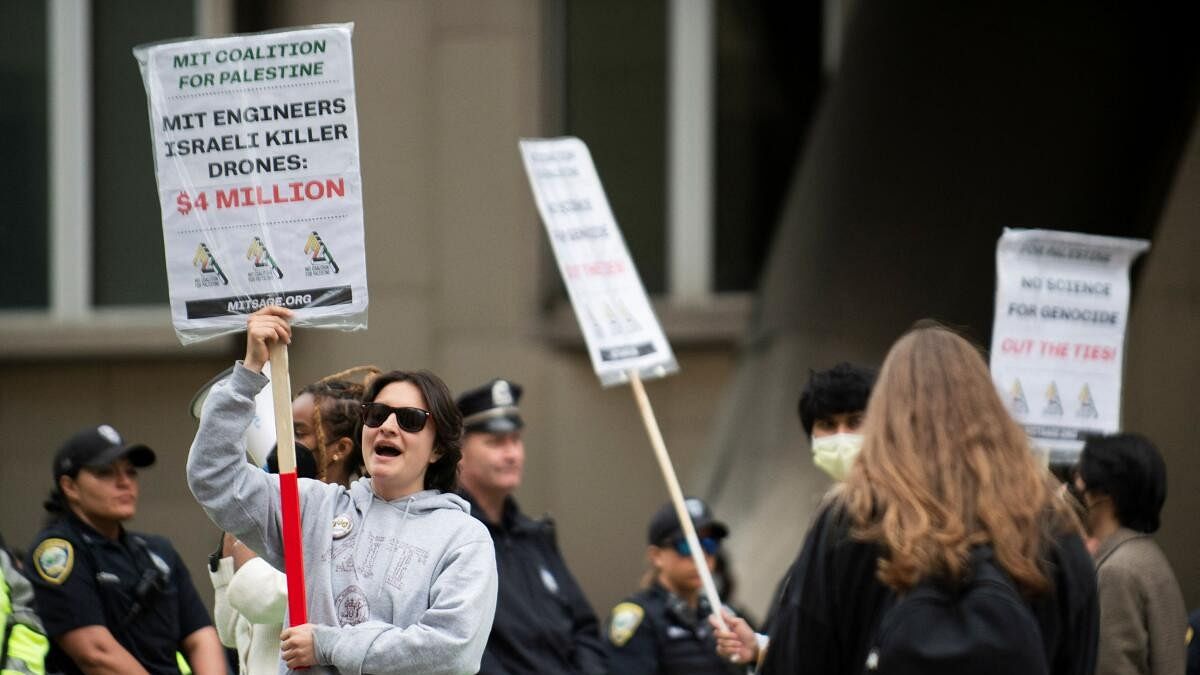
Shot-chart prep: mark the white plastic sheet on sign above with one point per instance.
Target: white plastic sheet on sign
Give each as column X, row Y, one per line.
column 256, row 153
column 610, row 303
column 1058, row 340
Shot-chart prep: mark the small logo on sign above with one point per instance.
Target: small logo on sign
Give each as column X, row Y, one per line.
column 1053, row 402
column 263, row 265
column 320, row 257
column 210, row 272
column 1016, row 399
column 1087, row 405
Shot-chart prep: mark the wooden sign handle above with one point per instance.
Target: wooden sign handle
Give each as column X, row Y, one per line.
column 289, row 486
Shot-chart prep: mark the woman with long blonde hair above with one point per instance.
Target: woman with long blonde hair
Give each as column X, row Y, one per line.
column 944, row 473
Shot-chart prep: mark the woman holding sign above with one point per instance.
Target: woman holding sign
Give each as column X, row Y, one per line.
column 249, row 596
column 400, row 578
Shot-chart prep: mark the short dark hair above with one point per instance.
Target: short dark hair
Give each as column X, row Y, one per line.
column 447, row 423
column 844, row 388
column 1129, row 469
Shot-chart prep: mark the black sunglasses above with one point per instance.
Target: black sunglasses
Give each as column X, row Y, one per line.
column 409, row 419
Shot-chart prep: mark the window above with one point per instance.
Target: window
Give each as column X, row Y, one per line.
column 81, row 220
column 695, row 111
column 127, row 252
column 23, row 279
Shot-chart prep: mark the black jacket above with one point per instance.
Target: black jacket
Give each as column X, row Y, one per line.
column 654, row 632
column 833, row 601
column 136, row 586
column 543, row 622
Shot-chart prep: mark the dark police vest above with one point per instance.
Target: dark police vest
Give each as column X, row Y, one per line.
column 543, row 622
column 654, row 632
column 133, row 586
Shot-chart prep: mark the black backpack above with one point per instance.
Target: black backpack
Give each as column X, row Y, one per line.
column 981, row 627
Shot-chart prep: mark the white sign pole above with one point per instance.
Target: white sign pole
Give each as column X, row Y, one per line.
column 624, row 339
column 1058, row 339
column 681, row 512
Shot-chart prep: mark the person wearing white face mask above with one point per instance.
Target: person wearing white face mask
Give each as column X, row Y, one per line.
column 831, row 410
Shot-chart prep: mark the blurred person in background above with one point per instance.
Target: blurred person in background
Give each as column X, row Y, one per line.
column 1122, row 484
column 663, row 629
column 24, row 644
column 113, row 601
column 544, row 623
column 831, row 409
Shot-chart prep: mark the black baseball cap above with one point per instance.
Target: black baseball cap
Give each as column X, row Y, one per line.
column 96, row 447
column 492, row 407
column 664, row 526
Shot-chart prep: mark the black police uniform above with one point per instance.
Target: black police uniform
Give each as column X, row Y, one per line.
column 136, row 586
column 654, row 632
column 543, row 622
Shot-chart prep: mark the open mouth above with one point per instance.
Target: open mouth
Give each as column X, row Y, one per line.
column 387, row 451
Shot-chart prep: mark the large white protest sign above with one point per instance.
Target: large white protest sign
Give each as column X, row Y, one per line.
column 256, row 152
column 1058, row 341
column 624, row 338
column 616, row 318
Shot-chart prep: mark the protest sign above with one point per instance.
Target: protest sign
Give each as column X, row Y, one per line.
column 255, row 143
column 624, row 339
column 616, row 318
column 1058, row 340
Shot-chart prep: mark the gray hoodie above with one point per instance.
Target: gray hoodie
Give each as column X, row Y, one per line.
column 406, row 586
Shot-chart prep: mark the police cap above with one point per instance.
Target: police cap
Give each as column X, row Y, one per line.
column 96, row 447
column 491, row 407
column 664, row 526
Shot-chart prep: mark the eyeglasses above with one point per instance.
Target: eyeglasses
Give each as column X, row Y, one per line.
column 710, row 545
column 409, row 419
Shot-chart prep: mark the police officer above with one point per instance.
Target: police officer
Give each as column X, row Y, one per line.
column 543, row 622
column 113, row 601
column 663, row 629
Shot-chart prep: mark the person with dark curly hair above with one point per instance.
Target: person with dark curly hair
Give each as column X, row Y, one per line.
column 401, row 578
column 544, row 623
column 1122, row 484
column 831, row 410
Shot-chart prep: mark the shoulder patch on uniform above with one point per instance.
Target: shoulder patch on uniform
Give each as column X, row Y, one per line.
column 626, row 617
column 54, row 559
